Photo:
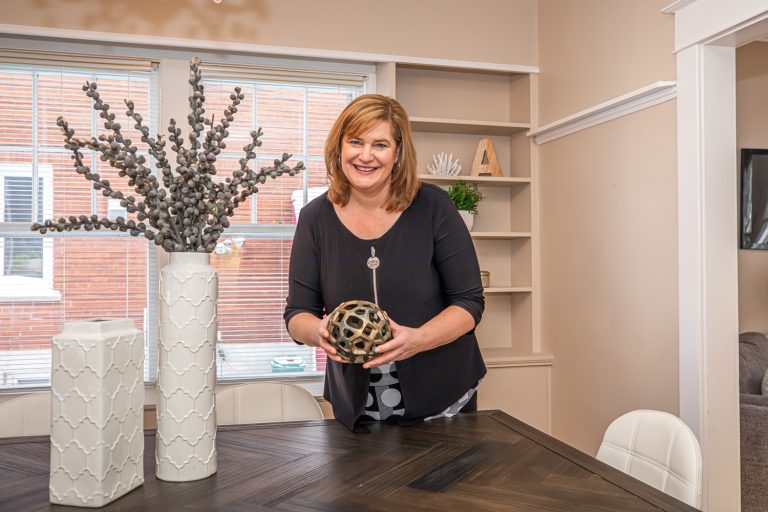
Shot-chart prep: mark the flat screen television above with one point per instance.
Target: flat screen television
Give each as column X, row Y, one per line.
column 754, row 198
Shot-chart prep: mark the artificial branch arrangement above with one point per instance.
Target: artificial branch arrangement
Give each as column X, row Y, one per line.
column 190, row 211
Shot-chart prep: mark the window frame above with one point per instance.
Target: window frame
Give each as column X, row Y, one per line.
column 173, row 68
column 22, row 288
column 30, row 375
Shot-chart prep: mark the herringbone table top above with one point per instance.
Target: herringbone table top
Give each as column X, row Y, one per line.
column 474, row 462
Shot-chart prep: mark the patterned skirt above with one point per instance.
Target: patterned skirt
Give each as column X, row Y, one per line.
column 385, row 401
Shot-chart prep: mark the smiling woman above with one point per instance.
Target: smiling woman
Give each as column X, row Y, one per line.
column 368, row 162
column 381, row 124
column 369, row 159
column 380, row 236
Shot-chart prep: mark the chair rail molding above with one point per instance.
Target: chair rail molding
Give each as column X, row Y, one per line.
column 648, row 96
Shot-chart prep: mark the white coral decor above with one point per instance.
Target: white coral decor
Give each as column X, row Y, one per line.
column 444, row 165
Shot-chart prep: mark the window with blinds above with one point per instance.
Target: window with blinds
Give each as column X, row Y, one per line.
column 295, row 109
column 47, row 281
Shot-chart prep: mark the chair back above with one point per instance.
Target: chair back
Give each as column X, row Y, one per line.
column 265, row 402
column 658, row 449
column 27, row 415
column 753, row 361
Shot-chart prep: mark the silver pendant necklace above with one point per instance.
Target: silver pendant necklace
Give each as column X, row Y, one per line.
column 373, row 264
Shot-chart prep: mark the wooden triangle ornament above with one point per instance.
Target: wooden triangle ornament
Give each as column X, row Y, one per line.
column 486, row 162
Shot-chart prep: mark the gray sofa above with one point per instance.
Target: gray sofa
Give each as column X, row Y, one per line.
column 753, row 361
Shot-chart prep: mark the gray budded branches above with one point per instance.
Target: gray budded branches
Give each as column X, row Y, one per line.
column 190, row 211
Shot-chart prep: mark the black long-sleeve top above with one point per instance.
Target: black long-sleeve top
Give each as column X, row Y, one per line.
column 427, row 263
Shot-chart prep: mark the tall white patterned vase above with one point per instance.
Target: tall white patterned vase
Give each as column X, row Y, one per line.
column 97, row 412
column 186, row 419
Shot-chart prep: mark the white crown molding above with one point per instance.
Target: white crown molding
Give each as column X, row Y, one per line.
column 728, row 23
column 250, row 48
column 640, row 99
column 676, row 6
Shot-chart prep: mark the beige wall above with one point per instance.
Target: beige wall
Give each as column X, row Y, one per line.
column 752, row 132
column 595, row 50
column 501, row 31
column 608, row 193
column 608, row 217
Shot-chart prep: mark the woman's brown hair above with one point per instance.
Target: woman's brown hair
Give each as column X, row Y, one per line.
column 362, row 114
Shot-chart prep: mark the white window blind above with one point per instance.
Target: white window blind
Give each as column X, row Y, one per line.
column 47, row 281
column 283, row 75
column 56, row 60
column 295, row 109
column 50, row 280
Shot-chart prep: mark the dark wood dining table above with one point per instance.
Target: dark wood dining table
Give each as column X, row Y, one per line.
column 485, row 461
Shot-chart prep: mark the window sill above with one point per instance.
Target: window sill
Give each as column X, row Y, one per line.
column 314, row 385
column 26, row 289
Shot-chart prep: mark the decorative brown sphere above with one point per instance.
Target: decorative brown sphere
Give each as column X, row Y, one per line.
column 356, row 327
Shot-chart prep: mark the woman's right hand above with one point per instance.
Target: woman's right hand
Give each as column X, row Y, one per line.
column 322, row 341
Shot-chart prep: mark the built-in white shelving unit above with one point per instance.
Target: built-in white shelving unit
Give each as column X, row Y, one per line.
column 450, row 110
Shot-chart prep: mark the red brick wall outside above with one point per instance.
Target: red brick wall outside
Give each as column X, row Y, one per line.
column 106, row 277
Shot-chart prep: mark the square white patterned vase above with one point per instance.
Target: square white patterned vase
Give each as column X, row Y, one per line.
column 97, row 412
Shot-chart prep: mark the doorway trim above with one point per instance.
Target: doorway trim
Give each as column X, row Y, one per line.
column 707, row 33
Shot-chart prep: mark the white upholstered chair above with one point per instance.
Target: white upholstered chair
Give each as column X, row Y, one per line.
column 265, row 402
column 27, row 415
column 658, row 449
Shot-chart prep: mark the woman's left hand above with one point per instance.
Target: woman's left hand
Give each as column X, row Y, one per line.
column 406, row 342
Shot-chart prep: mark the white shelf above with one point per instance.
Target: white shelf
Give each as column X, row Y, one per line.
column 483, row 181
column 506, row 290
column 466, row 126
column 499, row 235
column 504, row 357
column 464, row 66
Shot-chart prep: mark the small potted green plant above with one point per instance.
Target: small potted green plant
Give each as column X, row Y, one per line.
column 465, row 196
